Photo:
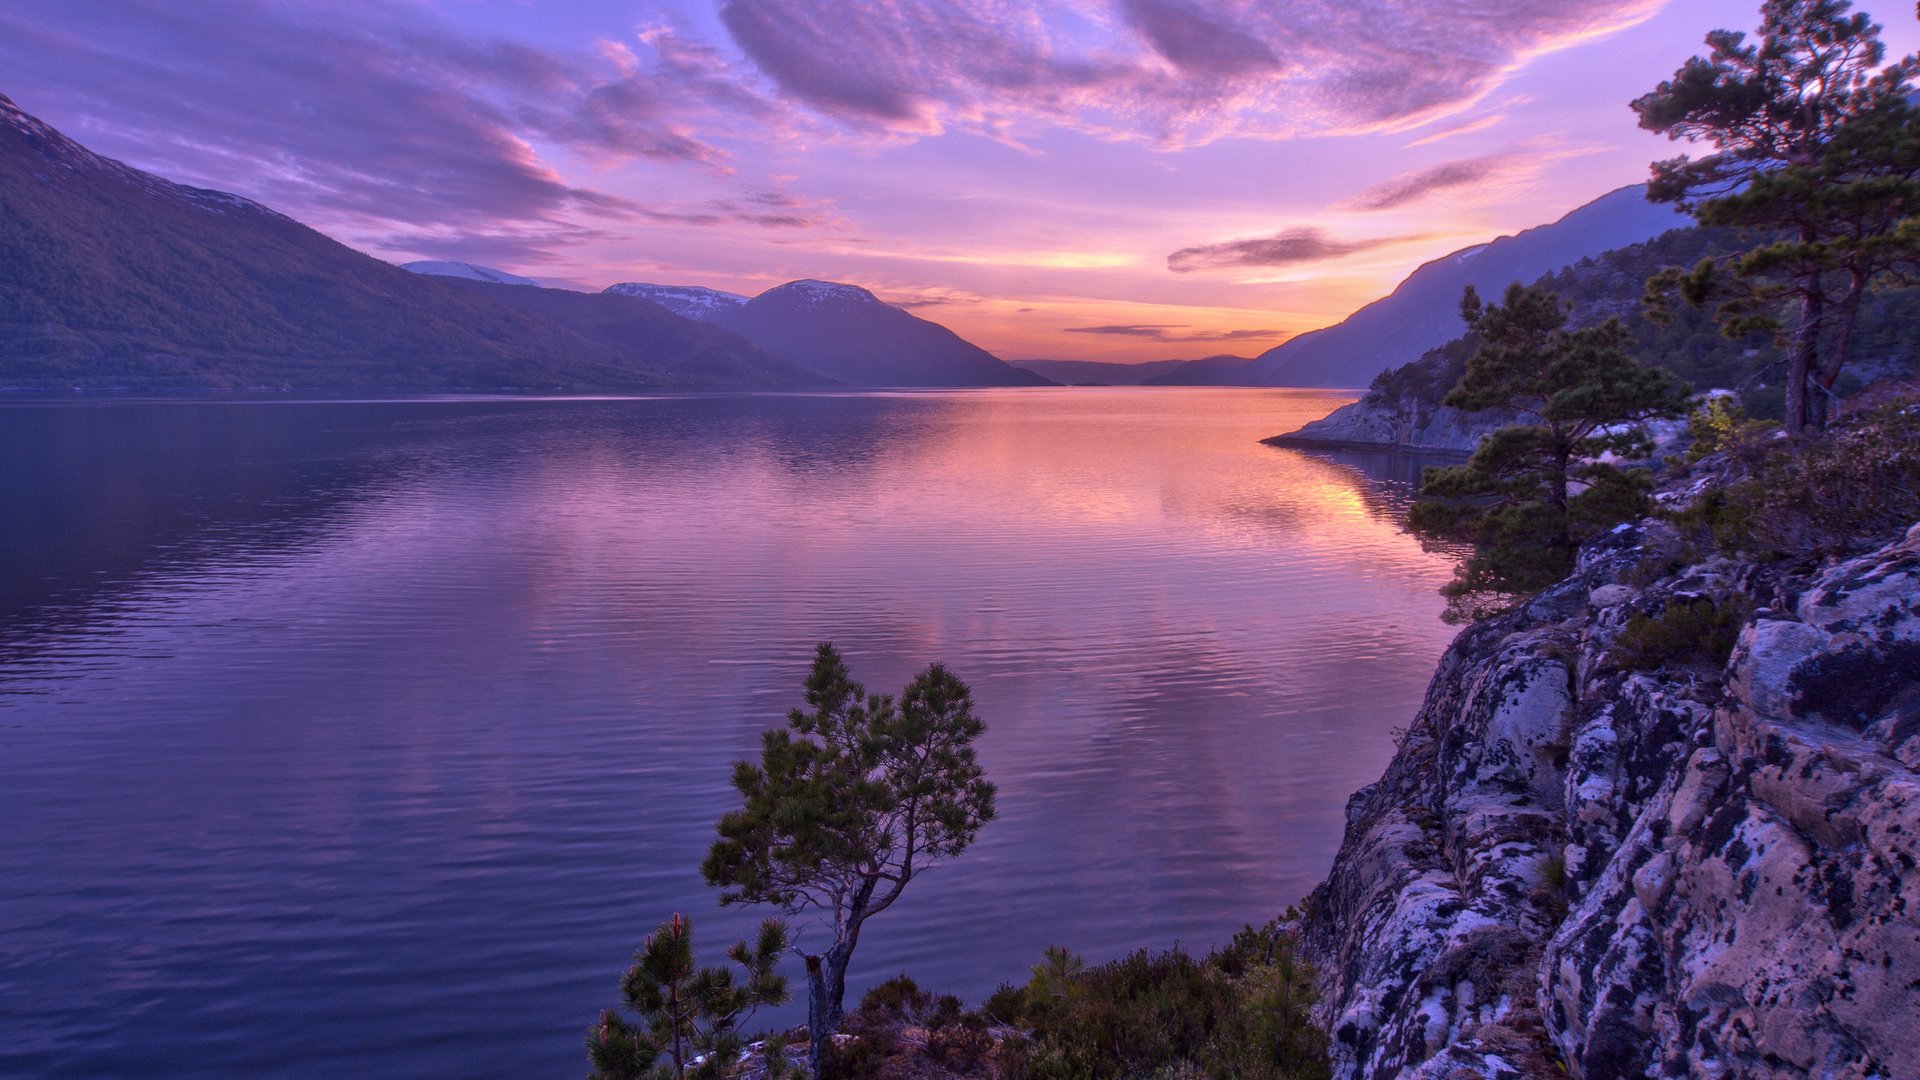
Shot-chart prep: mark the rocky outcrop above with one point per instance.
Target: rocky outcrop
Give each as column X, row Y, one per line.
column 1406, row 425
column 1688, row 867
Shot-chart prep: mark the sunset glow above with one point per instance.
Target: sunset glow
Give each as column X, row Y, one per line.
column 1098, row 179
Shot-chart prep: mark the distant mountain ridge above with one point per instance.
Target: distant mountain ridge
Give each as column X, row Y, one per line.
column 1423, row 311
column 1223, row 370
column 846, row 333
column 110, row 276
column 1097, row 372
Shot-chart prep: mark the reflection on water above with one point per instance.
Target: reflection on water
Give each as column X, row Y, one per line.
column 377, row 734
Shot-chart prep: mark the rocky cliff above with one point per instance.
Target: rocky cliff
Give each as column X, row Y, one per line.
column 1606, row 847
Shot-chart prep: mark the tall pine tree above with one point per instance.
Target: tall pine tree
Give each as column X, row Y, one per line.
column 1817, row 159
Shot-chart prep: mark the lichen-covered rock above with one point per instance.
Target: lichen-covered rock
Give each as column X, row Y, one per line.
column 1573, row 869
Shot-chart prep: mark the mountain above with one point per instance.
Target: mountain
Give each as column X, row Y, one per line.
column 691, row 301
column 702, row 354
column 1424, row 311
column 466, row 270
column 1096, row 372
column 846, row 333
column 1403, row 408
column 110, row 276
column 1210, row 371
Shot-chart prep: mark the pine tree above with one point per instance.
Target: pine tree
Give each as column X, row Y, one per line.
column 1817, row 158
column 847, row 805
column 687, row 1014
column 1532, row 491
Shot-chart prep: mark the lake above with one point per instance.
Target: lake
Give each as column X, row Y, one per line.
column 369, row 738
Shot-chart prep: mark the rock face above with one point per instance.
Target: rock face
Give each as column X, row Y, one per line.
column 1700, row 870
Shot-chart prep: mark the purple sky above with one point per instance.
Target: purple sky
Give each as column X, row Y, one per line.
column 1101, row 179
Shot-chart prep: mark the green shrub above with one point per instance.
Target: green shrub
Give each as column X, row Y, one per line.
column 1849, row 490
column 1242, row 1011
column 1684, row 633
column 1721, row 424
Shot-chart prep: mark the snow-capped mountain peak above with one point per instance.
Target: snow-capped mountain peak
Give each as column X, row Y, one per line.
column 812, row 292
column 691, row 301
column 466, row 270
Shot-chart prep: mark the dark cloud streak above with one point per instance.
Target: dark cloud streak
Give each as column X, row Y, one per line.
column 1412, row 187
column 1289, row 248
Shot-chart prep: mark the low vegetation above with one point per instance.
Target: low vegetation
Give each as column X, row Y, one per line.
column 1240, row 1011
column 1819, row 495
column 1699, row 631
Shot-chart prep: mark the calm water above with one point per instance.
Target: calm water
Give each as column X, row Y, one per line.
column 370, row 738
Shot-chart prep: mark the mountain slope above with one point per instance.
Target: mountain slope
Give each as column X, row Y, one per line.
column 1424, row 311
column 1402, row 408
column 846, row 333
column 110, row 276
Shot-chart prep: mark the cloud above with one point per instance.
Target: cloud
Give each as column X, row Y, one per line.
column 1176, row 71
column 1413, row 186
column 495, row 246
column 1176, row 332
column 910, row 298
column 1199, row 41
column 369, row 115
column 1289, row 248
column 1464, row 127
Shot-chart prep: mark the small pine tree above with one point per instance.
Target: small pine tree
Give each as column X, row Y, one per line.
column 1532, row 491
column 847, row 805
column 689, row 1015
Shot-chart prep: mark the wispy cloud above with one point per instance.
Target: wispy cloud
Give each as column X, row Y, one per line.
column 358, row 112
column 1289, row 248
column 1449, row 131
column 1174, row 71
column 1176, row 332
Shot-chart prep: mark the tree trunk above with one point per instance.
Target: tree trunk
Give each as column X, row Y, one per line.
column 1803, row 354
column 673, row 1011
column 817, row 1030
column 1557, row 488
column 826, row 1000
column 1820, row 405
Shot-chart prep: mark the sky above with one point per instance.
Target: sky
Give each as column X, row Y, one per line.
column 1078, row 179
